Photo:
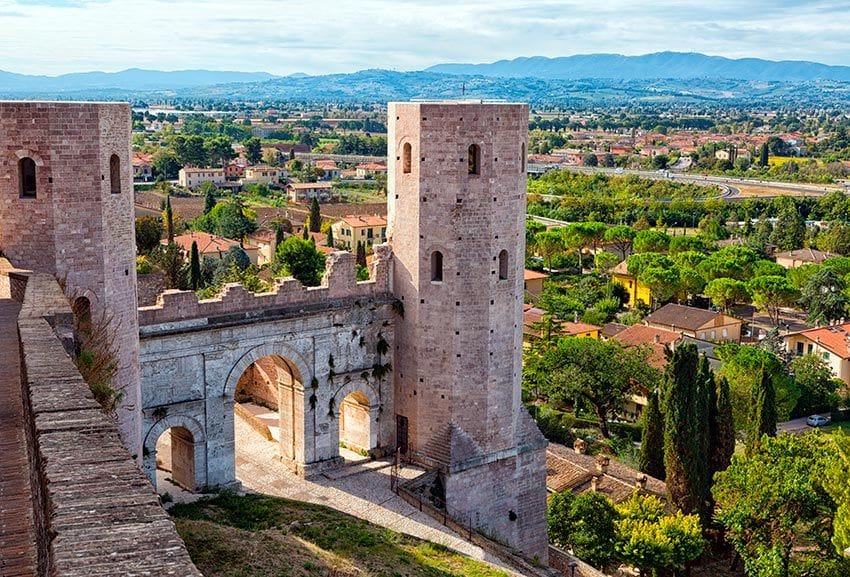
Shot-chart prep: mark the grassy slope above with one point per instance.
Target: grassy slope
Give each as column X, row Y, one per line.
column 262, row 536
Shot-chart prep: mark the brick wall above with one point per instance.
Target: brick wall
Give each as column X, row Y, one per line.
column 96, row 513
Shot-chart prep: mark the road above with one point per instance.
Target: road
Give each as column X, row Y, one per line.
column 730, row 184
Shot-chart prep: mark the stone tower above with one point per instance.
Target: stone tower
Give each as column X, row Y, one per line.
column 456, row 224
column 66, row 208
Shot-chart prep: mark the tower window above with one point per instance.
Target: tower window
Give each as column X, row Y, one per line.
column 406, row 156
column 115, row 174
column 473, row 159
column 26, row 173
column 436, row 266
column 522, row 158
column 503, row 265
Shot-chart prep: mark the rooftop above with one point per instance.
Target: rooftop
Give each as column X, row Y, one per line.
column 357, row 221
column 835, row 338
column 682, row 317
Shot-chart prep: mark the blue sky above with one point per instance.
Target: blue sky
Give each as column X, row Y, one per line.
column 325, row 36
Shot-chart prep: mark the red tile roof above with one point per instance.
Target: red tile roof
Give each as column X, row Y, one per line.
column 207, row 243
column 356, row 221
column 656, row 339
column 532, row 275
column 834, row 338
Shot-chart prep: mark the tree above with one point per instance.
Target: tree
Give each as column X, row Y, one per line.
column 652, row 439
column 168, row 218
column 824, row 296
column 790, row 230
column 621, row 238
column 722, row 438
column 165, row 164
column 686, row 419
column 219, row 150
column 190, row 150
column 253, row 150
column 548, row 243
column 583, row 523
column 236, row 255
column 589, row 159
column 230, row 220
column 148, row 233
column 817, row 385
column 300, row 259
column 663, row 283
column 195, row 268
column 776, row 510
column 169, row 259
column 209, row 190
column 762, row 414
column 680, row 244
column 835, row 239
column 651, row 241
column 600, row 373
column 771, row 293
column 651, row 540
column 361, row 254
column 835, row 482
column 730, row 261
column 725, row 292
column 763, row 155
column 330, row 238
column 315, row 216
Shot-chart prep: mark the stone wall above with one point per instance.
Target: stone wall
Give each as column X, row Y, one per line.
column 182, row 309
column 150, row 285
column 96, row 513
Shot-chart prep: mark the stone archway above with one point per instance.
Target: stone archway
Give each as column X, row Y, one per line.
column 357, row 409
column 188, row 458
column 279, row 349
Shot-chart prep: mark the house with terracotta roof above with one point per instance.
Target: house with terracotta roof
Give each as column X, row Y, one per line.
column 329, row 168
column 192, row 177
column 353, row 229
column 799, row 257
column 574, row 470
column 533, row 282
column 831, row 343
column 700, row 324
column 369, row 170
column 142, row 167
column 534, row 326
column 211, row 245
column 262, row 174
column 264, row 239
column 307, row 191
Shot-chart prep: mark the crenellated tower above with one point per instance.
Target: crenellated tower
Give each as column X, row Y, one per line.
column 456, row 224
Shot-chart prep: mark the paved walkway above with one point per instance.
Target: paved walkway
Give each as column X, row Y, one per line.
column 17, row 543
column 361, row 490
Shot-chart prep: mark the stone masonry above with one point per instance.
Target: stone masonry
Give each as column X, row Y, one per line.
column 78, row 226
column 456, row 224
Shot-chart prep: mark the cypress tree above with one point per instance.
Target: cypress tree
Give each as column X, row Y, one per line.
column 330, row 239
column 652, row 439
column 278, row 235
column 763, row 158
column 723, row 430
column 305, row 232
column 194, row 267
column 686, row 431
column 361, row 254
column 209, row 199
column 169, row 220
column 315, row 216
column 762, row 413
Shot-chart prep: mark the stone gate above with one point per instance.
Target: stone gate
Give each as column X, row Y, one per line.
column 321, row 354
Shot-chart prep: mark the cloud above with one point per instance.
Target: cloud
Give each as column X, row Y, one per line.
column 329, row 36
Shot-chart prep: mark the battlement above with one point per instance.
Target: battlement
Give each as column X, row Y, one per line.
column 176, row 309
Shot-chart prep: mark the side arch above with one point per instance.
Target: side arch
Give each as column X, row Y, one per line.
column 26, row 153
column 199, row 447
column 354, row 386
column 280, row 349
column 189, row 423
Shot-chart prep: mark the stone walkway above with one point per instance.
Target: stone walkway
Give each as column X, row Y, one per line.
column 17, row 543
column 361, row 490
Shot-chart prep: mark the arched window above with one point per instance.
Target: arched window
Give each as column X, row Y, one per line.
column 436, row 266
column 26, row 173
column 115, row 174
column 82, row 317
column 405, row 158
column 503, row 265
column 474, row 159
column 522, row 158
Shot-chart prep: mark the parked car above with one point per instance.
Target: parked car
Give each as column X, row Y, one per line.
column 817, row 421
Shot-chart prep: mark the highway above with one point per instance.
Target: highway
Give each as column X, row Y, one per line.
column 729, row 185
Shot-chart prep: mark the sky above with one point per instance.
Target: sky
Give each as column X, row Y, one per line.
column 329, row 36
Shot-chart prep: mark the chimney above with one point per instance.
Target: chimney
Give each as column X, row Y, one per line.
column 656, row 338
column 640, row 482
column 594, row 483
column 602, row 462
column 580, row 446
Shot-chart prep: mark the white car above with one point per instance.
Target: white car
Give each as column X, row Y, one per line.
column 817, row 421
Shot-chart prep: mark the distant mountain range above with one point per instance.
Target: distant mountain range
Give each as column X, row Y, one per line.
column 667, row 65
column 661, row 79
column 132, row 79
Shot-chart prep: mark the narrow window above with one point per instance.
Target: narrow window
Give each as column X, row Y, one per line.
column 26, row 172
column 474, row 159
column 503, row 265
column 436, row 266
column 522, row 158
column 406, row 155
column 115, row 174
